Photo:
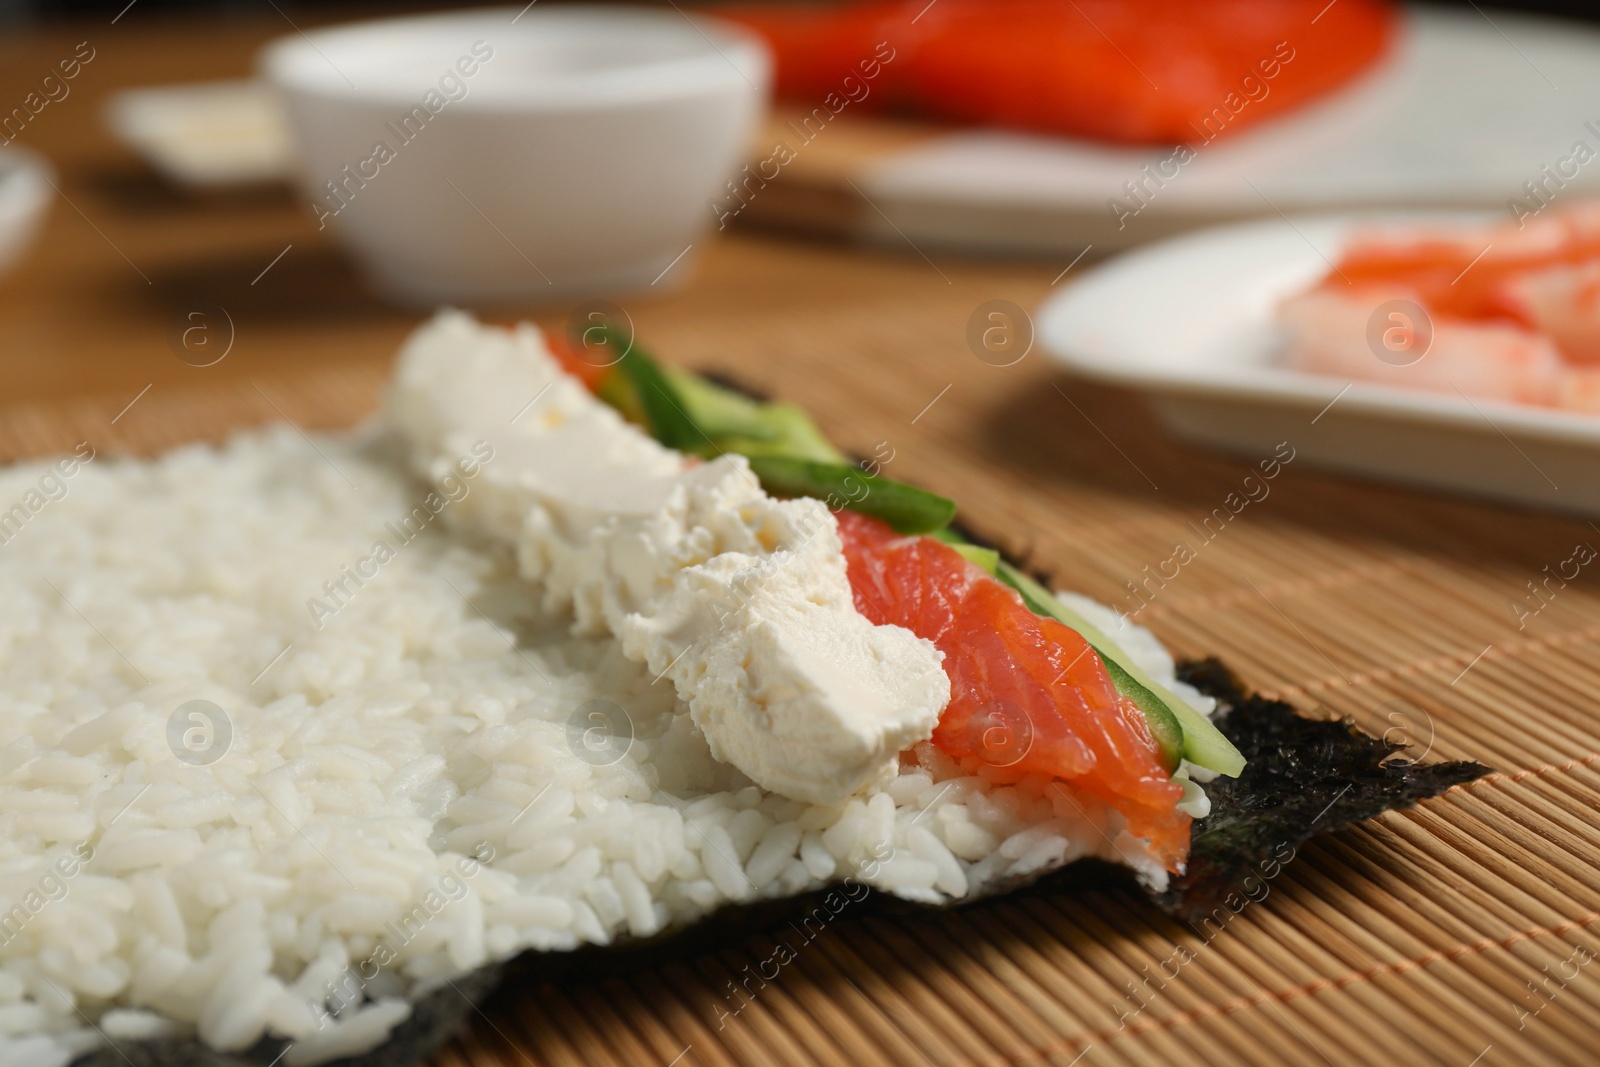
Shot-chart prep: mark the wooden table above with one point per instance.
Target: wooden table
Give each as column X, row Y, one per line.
column 1408, row 940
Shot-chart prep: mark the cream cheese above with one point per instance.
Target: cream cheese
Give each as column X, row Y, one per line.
column 741, row 600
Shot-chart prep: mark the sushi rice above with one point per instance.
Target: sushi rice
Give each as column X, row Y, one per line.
column 228, row 814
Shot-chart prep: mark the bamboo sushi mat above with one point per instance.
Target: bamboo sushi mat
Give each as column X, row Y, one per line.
column 1421, row 937
column 1412, row 939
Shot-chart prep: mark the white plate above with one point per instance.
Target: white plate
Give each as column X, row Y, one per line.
column 1466, row 108
column 1189, row 322
column 25, row 194
column 206, row 134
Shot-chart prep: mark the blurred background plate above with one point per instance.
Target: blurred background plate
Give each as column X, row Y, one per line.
column 25, row 192
column 206, row 134
column 1467, row 108
column 1462, row 113
column 1190, row 324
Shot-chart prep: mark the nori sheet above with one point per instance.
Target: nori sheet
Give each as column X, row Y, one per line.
column 1303, row 777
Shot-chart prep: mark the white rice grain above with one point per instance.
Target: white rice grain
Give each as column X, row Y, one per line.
column 776, row 848
column 399, row 784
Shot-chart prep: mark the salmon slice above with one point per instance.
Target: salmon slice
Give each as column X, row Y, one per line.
column 1028, row 694
column 1501, row 359
column 1510, row 311
column 1128, row 71
column 589, row 367
column 1534, row 272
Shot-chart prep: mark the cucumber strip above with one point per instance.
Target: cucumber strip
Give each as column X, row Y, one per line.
column 677, row 406
column 787, row 431
column 1164, row 725
column 664, row 413
column 799, row 436
column 721, row 412
column 905, row 508
column 987, row 558
column 709, row 419
column 1203, row 744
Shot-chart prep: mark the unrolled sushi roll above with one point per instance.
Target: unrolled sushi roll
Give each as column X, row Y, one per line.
column 569, row 650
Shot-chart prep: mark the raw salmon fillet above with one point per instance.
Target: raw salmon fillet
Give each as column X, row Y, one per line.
column 1129, row 71
column 1028, row 694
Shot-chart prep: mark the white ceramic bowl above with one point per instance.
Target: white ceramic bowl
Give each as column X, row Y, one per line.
column 513, row 154
column 24, row 200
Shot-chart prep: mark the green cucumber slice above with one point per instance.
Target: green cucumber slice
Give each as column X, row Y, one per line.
column 905, row 508
column 707, row 419
column 721, row 412
column 1202, row 743
column 987, row 558
column 1164, row 725
column 658, row 400
column 786, row 431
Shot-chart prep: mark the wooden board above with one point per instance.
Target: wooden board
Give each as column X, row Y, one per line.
column 1409, row 940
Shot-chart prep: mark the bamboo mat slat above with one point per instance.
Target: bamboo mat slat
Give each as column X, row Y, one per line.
column 1421, row 937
